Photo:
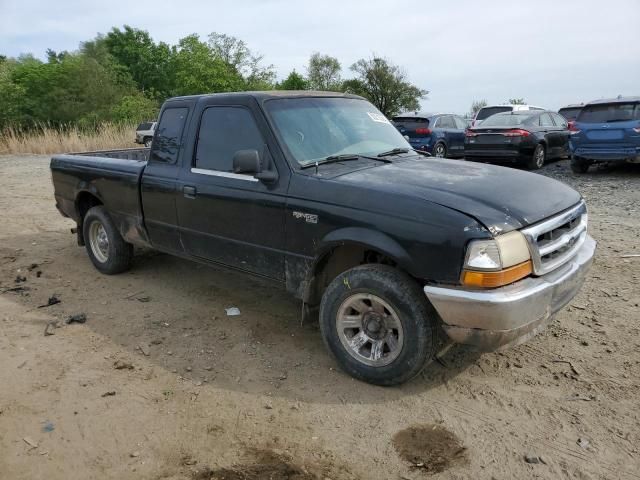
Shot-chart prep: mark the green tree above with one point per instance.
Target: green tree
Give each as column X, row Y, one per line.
column 385, row 85
column 148, row 63
column 517, row 101
column 476, row 105
column 323, row 72
column 235, row 53
column 134, row 108
column 12, row 95
column 199, row 70
column 294, row 81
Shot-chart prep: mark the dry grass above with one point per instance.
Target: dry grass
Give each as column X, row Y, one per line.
column 46, row 139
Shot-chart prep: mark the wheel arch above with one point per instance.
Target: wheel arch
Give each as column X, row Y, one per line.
column 347, row 248
column 85, row 200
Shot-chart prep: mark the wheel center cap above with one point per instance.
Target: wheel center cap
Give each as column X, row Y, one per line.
column 374, row 325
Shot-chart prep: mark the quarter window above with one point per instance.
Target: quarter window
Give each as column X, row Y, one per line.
column 546, row 121
column 223, row 131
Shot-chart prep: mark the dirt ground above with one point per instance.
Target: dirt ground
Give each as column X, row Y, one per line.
column 160, row 383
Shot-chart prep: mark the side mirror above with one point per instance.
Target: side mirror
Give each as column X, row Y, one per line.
column 246, row 161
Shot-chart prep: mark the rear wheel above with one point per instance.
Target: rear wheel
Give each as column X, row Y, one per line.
column 537, row 160
column 579, row 165
column 107, row 250
column 377, row 323
column 440, row 150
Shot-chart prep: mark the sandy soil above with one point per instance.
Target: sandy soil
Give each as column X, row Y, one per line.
column 160, row 384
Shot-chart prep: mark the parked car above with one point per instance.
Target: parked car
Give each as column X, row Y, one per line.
column 486, row 112
column 606, row 131
column 321, row 194
column 570, row 112
column 528, row 136
column 144, row 133
column 440, row 134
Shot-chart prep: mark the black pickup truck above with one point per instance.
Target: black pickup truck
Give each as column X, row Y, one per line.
column 320, row 193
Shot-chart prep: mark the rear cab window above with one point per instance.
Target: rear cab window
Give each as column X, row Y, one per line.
column 168, row 138
column 488, row 111
column 570, row 113
column 610, row 112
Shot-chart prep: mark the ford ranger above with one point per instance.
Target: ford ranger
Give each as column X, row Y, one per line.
column 320, row 193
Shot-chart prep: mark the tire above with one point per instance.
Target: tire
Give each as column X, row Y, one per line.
column 538, row 158
column 440, row 150
column 148, row 141
column 397, row 324
column 579, row 165
column 108, row 251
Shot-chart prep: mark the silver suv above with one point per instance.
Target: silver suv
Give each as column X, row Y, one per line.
column 144, row 133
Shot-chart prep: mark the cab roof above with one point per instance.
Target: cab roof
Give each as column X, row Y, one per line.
column 619, row 99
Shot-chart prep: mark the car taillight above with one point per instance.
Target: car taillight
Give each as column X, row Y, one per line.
column 573, row 130
column 518, row 132
column 423, row 131
column 470, row 133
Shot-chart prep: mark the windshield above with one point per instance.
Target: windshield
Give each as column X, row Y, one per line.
column 505, row 120
column 611, row 112
column 315, row 128
column 488, row 111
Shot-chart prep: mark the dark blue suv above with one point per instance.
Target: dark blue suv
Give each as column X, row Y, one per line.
column 440, row 134
column 606, row 131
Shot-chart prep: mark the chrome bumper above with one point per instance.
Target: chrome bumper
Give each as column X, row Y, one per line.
column 509, row 315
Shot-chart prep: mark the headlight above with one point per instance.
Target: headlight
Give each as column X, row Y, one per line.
column 497, row 262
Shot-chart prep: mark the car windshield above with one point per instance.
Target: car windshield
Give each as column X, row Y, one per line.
column 610, row 112
column 488, row 111
column 505, row 120
column 314, row 128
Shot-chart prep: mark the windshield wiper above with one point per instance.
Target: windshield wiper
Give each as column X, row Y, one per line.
column 395, row 151
column 341, row 158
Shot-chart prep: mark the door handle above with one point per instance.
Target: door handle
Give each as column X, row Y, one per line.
column 189, row 191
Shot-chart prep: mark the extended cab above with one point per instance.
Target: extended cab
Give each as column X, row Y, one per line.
column 320, row 193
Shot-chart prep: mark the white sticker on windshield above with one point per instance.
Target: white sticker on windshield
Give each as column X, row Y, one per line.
column 378, row 117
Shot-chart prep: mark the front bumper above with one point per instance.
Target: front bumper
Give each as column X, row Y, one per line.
column 509, row 315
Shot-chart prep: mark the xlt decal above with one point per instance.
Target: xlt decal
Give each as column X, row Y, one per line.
column 308, row 217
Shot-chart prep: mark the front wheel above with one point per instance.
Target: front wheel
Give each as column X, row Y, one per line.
column 107, row 250
column 579, row 165
column 537, row 160
column 148, row 142
column 440, row 150
column 377, row 323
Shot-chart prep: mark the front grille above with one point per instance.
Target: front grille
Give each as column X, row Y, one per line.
column 554, row 241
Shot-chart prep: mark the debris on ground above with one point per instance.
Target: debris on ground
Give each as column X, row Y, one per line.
column 30, row 442
column 533, row 459
column 48, row 427
column 48, row 330
column 232, row 311
column 583, row 442
column 33, row 266
column 121, row 365
column 78, row 318
column 108, row 394
column 53, row 300
column 134, row 454
column 144, row 349
column 429, row 447
column 144, row 299
column 20, row 279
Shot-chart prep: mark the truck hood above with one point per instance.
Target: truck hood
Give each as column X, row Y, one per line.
column 500, row 198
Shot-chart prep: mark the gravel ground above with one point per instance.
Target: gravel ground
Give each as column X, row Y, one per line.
column 159, row 383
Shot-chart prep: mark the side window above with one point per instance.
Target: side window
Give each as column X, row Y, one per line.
column 224, row 131
column 560, row 121
column 166, row 142
column 446, row 122
column 545, row 120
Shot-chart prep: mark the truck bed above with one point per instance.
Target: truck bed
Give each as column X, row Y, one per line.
column 109, row 177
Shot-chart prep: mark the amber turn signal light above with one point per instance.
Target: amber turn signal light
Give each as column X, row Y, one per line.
column 472, row 278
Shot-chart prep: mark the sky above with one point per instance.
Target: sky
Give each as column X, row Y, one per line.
column 551, row 53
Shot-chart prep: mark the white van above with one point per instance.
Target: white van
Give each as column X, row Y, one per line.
column 489, row 110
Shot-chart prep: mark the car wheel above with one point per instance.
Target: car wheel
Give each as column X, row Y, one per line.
column 108, row 251
column 538, row 158
column 148, row 142
column 579, row 165
column 377, row 323
column 440, row 150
